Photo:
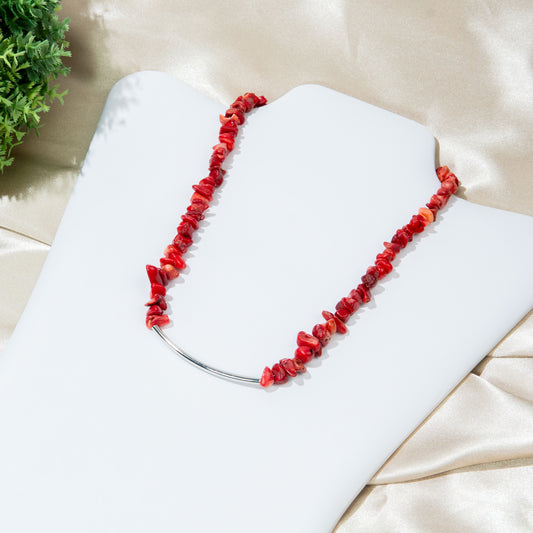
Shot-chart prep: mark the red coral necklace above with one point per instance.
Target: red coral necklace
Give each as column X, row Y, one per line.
column 308, row 345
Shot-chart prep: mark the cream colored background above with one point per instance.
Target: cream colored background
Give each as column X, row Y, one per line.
column 463, row 69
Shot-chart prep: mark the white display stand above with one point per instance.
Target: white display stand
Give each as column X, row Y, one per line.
column 105, row 430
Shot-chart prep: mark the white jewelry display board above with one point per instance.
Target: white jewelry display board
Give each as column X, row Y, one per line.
column 104, row 429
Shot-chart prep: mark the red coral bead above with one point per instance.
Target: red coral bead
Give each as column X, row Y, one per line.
column 173, row 259
column 339, row 324
column 384, row 268
column 364, row 293
column 267, row 378
column 154, row 310
column 186, row 229
column 443, row 172
column 157, row 288
column 438, row 201
column 371, row 277
column 228, row 140
column 304, row 339
column 205, row 190
column 395, row 247
column 304, row 353
column 416, row 225
column 171, row 271
column 221, row 148
column 157, row 320
column 280, row 376
column 218, row 175
column 191, row 220
column 208, row 181
column 401, row 238
column 354, row 294
column 158, row 300
column 299, row 366
column 229, row 127
column 289, row 367
column 321, row 332
column 343, row 314
column 331, row 326
column 350, row 304
column 197, row 208
column 182, row 243
column 154, row 275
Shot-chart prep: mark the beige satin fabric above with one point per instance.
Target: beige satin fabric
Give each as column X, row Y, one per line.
column 461, row 68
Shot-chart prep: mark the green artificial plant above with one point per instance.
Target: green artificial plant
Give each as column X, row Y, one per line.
column 32, row 48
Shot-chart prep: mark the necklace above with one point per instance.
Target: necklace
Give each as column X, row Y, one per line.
column 308, row 345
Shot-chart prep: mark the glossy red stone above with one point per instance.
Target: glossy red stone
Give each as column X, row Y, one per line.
column 157, row 320
column 364, row 292
column 371, row 277
column 205, row 190
column 218, row 175
column 343, row 314
column 442, row 172
column 182, row 243
column 298, row 365
column 174, row 259
column 154, row 274
column 321, row 332
column 157, row 288
column 384, row 268
column 158, row 300
column 416, row 225
column 208, row 181
column 289, row 367
column 154, row 310
column 171, row 271
column 339, row 324
column 228, row 139
column 304, row 353
column 280, row 376
column 198, row 198
column 191, row 220
column 267, row 378
column 355, row 295
column 401, row 238
column 304, row 339
column 350, row 304
column 395, row 247
column 186, row 229
column 229, row 127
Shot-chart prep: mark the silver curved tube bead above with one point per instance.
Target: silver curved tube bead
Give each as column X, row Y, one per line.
column 202, row 366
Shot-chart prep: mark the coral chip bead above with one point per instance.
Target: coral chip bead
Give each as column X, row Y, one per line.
column 267, row 378
column 173, row 259
column 321, row 332
column 154, row 275
column 304, row 353
column 157, row 288
column 339, row 324
column 427, row 215
column 280, row 376
column 182, row 243
column 304, row 339
column 289, row 367
column 156, row 320
column 299, row 366
column 171, row 271
column 384, row 268
column 343, row 314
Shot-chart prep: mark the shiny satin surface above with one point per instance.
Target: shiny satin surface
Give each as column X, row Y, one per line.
column 463, row 69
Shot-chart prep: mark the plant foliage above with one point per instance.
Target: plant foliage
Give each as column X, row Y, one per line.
column 32, row 48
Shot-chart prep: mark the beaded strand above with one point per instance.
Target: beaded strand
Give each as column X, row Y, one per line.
column 308, row 345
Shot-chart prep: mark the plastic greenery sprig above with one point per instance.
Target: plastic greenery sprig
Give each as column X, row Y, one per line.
column 32, row 48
